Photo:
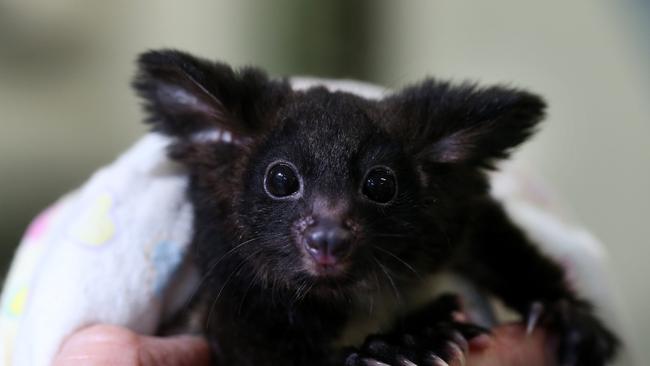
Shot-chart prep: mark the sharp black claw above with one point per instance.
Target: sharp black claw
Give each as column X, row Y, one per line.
column 534, row 315
column 352, row 359
column 455, row 352
column 458, row 338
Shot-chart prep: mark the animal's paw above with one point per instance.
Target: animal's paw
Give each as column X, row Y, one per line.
column 443, row 345
column 582, row 339
column 434, row 335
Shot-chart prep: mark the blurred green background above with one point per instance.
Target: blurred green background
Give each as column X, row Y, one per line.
column 66, row 107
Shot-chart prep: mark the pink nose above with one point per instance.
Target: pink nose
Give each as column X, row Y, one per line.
column 327, row 242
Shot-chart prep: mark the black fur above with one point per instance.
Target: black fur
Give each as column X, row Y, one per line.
column 265, row 300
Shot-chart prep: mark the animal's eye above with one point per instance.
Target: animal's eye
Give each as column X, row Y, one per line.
column 281, row 180
column 380, row 185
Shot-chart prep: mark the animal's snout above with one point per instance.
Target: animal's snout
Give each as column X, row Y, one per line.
column 328, row 241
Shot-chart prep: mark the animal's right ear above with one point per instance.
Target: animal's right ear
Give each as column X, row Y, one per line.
column 197, row 101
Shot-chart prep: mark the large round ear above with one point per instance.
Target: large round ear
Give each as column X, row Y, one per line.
column 462, row 124
column 197, row 101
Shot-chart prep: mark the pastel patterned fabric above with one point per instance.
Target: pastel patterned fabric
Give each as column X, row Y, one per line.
column 105, row 253
column 114, row 251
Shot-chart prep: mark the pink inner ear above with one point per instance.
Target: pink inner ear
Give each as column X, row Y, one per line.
column 458, row 146
column 448, row 150
column 453, row 148
column 206, row 136
column 212, row 135
column 215, row 135
column 179, row 97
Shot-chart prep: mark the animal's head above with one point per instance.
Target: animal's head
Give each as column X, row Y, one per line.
column 328, row 188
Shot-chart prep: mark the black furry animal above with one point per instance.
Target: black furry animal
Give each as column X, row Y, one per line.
column 311, row 206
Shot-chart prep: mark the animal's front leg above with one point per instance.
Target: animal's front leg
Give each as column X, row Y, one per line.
column 429, row 336
column 501, row 259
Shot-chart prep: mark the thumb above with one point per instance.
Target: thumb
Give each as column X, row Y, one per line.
column 112, row 345
column 174, row 351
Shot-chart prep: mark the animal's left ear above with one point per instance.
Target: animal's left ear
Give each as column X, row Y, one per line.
column 195, row 101
column 462, row 124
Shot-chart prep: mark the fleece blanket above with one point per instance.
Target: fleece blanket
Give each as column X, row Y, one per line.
column 113, row 251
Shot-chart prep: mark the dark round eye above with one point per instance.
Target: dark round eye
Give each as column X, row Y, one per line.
column 380, row 185
column 281, row 180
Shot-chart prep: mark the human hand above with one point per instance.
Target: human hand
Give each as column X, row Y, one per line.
column 111, row 345
column 509, row 345
column 103, row 345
